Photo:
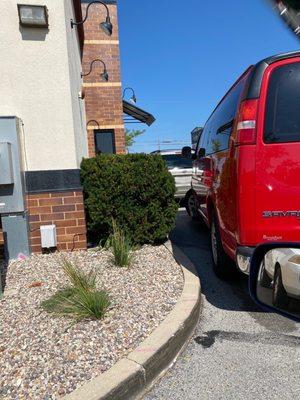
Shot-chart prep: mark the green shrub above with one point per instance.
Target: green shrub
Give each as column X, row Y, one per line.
column 81, row 300
column 136, row 190
column 120, row 245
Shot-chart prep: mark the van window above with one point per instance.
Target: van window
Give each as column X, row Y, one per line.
column 282, row 121
column 203, row 140
column 222, row 119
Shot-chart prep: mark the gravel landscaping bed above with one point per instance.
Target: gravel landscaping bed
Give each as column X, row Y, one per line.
column 42, row 357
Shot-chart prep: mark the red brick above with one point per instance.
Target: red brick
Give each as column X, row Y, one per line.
column 62, row 194
column 39, row 196
column 52, row 217
column 74, row 215
column 65, row 238
column 39, row 210
column 79, row 207
column 36, row 233
column 72, row 200
column 77, row 246
column 62, row 246
column 34, row 218
column 66, row 222
column 47, row 222
column 35, row 241
column 81, row 222
column 34, row 225
column 36, row 249
column 60, row 231
column 50, row 202
column 32, row 203
column 76, row 230
column 63, row 208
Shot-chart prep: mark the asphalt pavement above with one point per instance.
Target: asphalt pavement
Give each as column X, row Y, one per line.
column 238, row 351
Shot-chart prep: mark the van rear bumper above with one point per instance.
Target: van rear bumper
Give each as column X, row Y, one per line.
column 243, row 257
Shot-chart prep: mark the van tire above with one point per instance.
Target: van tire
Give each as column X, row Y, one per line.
column 190, row 206
column 264, row 280
column 223, row 266
column 280, row 298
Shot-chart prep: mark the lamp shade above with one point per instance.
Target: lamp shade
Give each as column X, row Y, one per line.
column 105, row 76
column 133, row 99
column 107, row 27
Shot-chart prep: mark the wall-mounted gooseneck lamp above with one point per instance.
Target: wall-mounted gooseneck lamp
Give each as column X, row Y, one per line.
column 133, row 97
column 103, row 75
column 106, row 25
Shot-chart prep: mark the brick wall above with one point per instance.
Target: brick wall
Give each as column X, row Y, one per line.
column 103, row 100
column 66, row 211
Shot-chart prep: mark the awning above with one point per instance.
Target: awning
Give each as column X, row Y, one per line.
column 135, row 114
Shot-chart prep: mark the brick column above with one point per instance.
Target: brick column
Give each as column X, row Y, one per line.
column 103, row 100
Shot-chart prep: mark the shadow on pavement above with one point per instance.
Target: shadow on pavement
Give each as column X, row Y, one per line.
column 193, row 239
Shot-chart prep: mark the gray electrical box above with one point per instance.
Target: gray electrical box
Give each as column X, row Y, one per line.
column 6, row 164
column 16, row 238
column 14, row 218
column 11, row 167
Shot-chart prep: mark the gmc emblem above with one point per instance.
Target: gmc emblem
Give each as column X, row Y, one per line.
column 270, row 214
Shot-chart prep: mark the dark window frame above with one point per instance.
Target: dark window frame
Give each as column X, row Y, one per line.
column 274, row 108
column 208, row 137
column 227, row 124
column 112, row 131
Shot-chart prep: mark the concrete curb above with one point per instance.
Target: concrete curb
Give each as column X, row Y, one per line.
column 133, row 375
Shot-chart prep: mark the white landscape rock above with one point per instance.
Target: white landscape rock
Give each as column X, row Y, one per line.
column 40, row 358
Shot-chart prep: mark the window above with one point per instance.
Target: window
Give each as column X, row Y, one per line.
column 105, row 141
column 221, row 121
column 282, row 122
column 177, row 161
column 203, row 140
column 217, row 130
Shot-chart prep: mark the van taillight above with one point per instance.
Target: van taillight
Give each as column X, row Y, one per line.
column 246, row 125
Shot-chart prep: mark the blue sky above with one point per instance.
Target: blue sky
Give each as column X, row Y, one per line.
column 182, row 56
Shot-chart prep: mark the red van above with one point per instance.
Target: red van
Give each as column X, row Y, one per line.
column 246, row 172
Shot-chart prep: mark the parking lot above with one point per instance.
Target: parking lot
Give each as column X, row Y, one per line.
column 238, row 350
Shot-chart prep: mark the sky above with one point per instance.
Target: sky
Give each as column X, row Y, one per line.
column 182, row 56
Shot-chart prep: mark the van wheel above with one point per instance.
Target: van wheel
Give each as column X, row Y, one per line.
column 264, row 280
column 280, row 298
column 191, row 207
column 222, row 264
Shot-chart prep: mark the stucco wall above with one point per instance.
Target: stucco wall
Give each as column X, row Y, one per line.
column 40, row 81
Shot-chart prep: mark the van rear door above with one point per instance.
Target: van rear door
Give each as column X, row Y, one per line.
column 277, row 187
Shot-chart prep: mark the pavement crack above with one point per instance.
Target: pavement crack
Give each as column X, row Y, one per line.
column 208, row 339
